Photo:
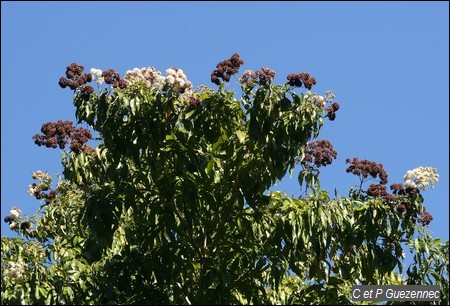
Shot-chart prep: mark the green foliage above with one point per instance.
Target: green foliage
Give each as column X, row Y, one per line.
column 172, row 207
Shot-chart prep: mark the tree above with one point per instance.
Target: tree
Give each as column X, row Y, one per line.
column 172, row 205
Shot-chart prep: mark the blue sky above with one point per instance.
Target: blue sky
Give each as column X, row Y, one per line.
column 386, row 62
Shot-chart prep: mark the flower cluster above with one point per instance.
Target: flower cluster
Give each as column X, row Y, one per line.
column 13, row 217
column 194, row 101
column 397, row 189
column 97, row 76
column 26, row 225
column 402, row 199
column 318, row 153
column 378, row 190
column 331, row 110
column 79, row 137
column 85, row 92
column 329, row 96
column 61, row 133
column 112, row 77
column 15, row 212
column 313, row 98
column 299, row 79
column 74, row 73
column 364, row 168
column 226, row 68
column 43, row 177
column 247, row 78
column 148, row 75
column 36, row 190
column 405, row 203
column 13, row 220
column 426, row 218
column 321, row 102
column 17, row 270
column 261, row 77
column 76, row 79
column 177, row 80
column 421, row 178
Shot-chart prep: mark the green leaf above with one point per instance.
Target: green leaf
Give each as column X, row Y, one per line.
column 69, row 293
column 291, row 170
column 170, row 137
column 43, row 291
column 189, row 115
column 36, row 294
column 210, row 166
column 241, row 135
column 48, row 299
column 133, row 106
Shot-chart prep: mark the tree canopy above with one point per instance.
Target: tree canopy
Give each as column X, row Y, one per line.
column 170, row 203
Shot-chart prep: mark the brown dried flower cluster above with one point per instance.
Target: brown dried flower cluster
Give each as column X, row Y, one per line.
column 331, row 110
column 397, row 189
column 113, row 77
column 406, row 204
column 261, row 77
column 299, row 79
column 426, row 218
column 37, row 190
column 378, row 190
column 402, row 199
column 14, row 220
column 15, row 225
column 25, row 225
column 404, row 207
column 364, row 168
column 318, row 153
column 74, row 73
column 76, row 79
column 61, row 133
column 194, row 102
column 226, row 68
column 86, row 91
column 48, row 196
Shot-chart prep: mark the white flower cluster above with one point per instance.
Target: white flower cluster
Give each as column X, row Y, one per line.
column 46, row 181
column 38, row 175
column 150, row 76
column 16, row 270
column 15, row 212
column 421, row 178
column 320, row 101
column 329, row 96
column 43, row 177
column 177, row 79
column 13, row 216
column 97, row 76
column 33, row 189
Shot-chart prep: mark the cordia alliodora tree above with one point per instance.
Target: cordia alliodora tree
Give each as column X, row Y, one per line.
column 172, row 205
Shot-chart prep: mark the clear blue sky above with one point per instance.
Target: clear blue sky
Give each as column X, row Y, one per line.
column 387, row 63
